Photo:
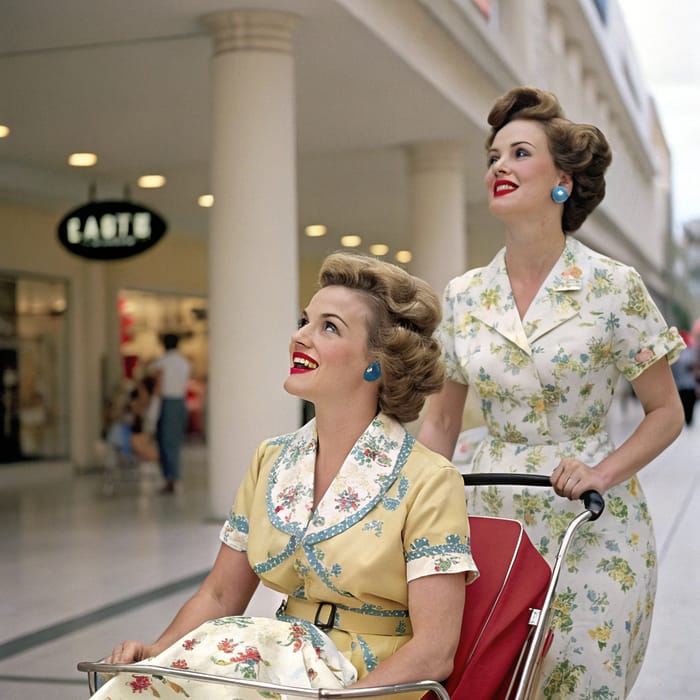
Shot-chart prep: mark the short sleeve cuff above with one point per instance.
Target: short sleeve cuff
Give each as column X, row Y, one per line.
column 234, row 533
column 451, row 558
column 668, row 343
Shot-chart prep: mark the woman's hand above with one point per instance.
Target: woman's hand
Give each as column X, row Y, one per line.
column 661, row 425
column 129, row 652
column 572, row 479
column 227, row 590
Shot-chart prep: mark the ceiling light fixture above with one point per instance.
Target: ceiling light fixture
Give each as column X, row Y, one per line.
column 82, row 160
column 379, row 249
column 351, row 241
column 151, row 182
column 315, row 230
column 403, row 256
column 4, row 131
column 206, row 200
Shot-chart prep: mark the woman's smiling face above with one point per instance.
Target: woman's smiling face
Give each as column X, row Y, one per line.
column 521, row 172
column 328, row 352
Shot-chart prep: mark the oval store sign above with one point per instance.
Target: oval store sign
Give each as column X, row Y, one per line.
column 110, row 230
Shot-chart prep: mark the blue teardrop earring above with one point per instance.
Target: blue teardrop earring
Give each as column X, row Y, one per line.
column 560, row 194
column 373, row 372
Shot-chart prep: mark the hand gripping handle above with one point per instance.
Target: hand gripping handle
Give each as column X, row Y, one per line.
column 593, row 502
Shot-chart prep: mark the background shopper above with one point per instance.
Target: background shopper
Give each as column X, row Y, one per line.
column 172, row 374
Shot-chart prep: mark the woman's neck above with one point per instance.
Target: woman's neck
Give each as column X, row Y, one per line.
column 531, row 256
column 338, row 431
column 529, row 259
column 337, row 434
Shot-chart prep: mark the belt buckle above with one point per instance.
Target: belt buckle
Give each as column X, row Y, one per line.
column 330, row 619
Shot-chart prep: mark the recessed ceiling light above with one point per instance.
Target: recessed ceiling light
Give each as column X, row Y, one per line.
column 403, row 256
column 350, row 241
column 151, row 182
column 206, row 200
column 379, row 249
column 315, row 230
column 82, row 160
column 4, row 131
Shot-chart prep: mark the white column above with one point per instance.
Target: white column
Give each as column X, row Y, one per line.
column 437, row 211
column 88, row 348
column 521, row 32
column 253, row 268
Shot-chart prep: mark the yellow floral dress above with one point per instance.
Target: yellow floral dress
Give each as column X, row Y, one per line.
column 395, row 512
column 545, row 385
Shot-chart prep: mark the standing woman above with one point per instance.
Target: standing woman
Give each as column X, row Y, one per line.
column 172, row 373
column 359, row 525
column 542, row 335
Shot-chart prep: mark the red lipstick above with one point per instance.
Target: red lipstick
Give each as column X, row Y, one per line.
column 301, row 362
column 503, row 187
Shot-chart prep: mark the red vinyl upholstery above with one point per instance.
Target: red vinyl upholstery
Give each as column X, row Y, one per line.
column 513, row 579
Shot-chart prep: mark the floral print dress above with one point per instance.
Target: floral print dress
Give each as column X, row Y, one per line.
column 545, row 386
column 395, row 512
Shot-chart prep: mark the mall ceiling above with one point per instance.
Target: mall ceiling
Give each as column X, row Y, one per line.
column 128, row 80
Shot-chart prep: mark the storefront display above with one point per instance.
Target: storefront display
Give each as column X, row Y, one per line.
column 33, row 368
column 144, row 317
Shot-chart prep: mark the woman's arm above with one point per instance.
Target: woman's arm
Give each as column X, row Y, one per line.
column 661, row 425
column 435, row 605
column 443, row 419
column 227, row 590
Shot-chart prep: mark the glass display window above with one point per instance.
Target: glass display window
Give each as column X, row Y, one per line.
column 33, row 368
column 144, row 317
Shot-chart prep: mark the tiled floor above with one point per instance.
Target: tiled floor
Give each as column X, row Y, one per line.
column 81, row 570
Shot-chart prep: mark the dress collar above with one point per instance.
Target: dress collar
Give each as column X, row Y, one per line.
column 370, row 468
column 553, row 304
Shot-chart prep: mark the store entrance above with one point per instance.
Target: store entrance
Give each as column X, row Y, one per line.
column 144, row 318
column 33, row 368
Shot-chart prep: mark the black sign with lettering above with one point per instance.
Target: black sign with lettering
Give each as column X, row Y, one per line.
column 110, row 230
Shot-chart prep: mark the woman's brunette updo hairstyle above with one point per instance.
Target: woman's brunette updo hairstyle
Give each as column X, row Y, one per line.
column 404, row 313
column 581, row 150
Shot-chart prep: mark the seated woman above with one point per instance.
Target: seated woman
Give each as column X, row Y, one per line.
column 363, row 528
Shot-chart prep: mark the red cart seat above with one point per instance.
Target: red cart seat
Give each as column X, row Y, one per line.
column 495, row 624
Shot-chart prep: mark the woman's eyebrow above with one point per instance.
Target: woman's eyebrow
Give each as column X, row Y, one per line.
column 512, row 145
column 332, row 315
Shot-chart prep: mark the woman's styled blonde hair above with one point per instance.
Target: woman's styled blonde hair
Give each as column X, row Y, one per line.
column 405, row 311
column 581, row 150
